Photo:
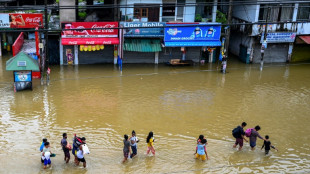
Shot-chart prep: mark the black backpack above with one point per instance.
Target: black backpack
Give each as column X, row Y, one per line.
column 235, row 132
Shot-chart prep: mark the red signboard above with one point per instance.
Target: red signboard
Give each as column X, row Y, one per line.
column 26, row 20
column 96, row 29
column 18, row 44
column 89, row 41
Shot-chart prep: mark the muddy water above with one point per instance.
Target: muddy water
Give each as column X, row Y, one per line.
column 178, row 104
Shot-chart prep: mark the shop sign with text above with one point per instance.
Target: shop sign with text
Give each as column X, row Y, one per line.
column 94, row 29
column 136, row 29
column 279, row 37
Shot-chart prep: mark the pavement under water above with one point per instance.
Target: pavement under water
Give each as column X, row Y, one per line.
column 176, row 103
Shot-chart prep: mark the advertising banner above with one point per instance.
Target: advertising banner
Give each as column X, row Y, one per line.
column 279, row 37
column 98, row 29
column 192, row 33
column 135, row 29
column 22, row 76
column 4, row 21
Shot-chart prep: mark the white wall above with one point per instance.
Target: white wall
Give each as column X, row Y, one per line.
column 67, row 15
column 189, row 12
column 300, row 28
column 246, row 12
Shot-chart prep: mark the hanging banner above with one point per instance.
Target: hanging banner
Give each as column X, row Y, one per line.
column 279, row 37
column 135, row 29
column 98, row 29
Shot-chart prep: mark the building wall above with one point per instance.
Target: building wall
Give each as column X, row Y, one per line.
column 67, row 15
column 248, row 13
column 189, row 12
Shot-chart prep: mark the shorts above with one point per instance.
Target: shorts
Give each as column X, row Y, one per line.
column 134, row 150
column 202, row 157
column 126, row 154
column 239, row 141
column 82, row 160
column 266, row 152
column 67, row 153
column 46, row 162
column 42, row 161
column 252, row 143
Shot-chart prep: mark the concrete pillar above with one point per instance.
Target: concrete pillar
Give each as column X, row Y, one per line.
column 156, row 57
column 290, row 51
column 295, row 12
column 115, row 53
column 76, row 54
column 211, row 57
column 214, row 10
column 67, row 15
column 61, row 52
column 257, row 13
column 0, row 47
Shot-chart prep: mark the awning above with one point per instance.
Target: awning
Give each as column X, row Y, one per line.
column 142, row 45
column 305, row 39
column 193, row 44
column 89, row 41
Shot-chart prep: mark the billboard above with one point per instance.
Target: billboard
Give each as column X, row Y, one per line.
column 97, row 29
column 279, row 37
column 135, row 29
column 199, row 32
column 21, row 20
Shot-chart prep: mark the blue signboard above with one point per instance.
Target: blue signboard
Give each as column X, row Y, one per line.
column 279, row 37
column 199, row 35
column 22, row 76
column 135, row 29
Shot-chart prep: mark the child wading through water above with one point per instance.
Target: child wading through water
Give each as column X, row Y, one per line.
column 267, row 145
column 150, row 143
column 126, row 149
column 201, row 151
column 41, row 147
column 46, row 152
column 133, row 141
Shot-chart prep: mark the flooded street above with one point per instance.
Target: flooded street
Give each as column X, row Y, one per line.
column 176, row 103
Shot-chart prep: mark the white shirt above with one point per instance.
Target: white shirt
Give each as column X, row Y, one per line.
column 79, row 154
column 135, row 139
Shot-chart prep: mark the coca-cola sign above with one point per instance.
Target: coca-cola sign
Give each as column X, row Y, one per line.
column 92, row 29
column 25, row 20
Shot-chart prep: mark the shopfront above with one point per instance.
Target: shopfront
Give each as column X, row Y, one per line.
column 96, row 44
column 191, row 40
column 142, row 45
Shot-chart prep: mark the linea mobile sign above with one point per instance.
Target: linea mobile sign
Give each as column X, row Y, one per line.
column 135, row 29
column 97, row 29
column 200, row 32
column 21, row 20
column 279, row 37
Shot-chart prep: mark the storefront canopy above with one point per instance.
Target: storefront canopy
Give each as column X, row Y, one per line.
column 89, row 41
column 193, row 44
column 142, row 45
column 22, row 62
column 305, row 39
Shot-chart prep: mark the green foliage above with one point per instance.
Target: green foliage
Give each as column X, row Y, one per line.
column 198, row 18
column 220, row 17
column 57, row 1
column 82, row 15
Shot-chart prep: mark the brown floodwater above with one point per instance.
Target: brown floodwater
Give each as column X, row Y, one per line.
column 176, row 103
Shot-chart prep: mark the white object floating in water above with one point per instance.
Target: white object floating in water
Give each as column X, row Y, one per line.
column 85, row 149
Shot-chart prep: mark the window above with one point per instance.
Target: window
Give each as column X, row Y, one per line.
column 140, row 13
column 168, row 9
column 303, row 12
column 277, row 13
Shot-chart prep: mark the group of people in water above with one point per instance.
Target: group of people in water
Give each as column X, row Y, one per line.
column 79, row 147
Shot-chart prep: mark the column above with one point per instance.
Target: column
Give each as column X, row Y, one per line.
column 61, row 52
column 76, row 54
column 156, row 57
column 290, row 51
column 0, row 47
column 295, row 12
column 115, row 54
column 214, row 10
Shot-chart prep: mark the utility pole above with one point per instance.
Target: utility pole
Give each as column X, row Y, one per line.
column 46, row 38
column 264, row 42
column 229, row 16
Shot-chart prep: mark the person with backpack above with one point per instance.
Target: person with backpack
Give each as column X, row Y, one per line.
column 239, row 134
column 77, row 141
column 253, row 134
